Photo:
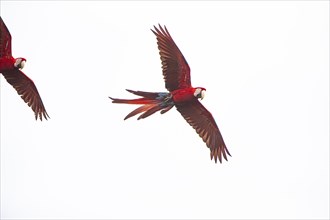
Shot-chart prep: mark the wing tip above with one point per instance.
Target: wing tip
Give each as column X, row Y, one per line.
column 161, row 30
column 218, row 154
column 41, row 115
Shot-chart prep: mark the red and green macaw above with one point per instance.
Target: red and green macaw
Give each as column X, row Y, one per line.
column 11, row 69
column 181, row 94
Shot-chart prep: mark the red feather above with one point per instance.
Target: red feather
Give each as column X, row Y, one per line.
column 5, row 40
column 27, row 90
column 176, row 70
column 151, row 103
column 204, row 124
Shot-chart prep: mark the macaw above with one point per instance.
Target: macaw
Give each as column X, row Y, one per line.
column 181, row 94
column 11, row 70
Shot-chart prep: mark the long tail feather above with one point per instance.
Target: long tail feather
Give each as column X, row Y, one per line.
column 139, row 101
column 149, row 95
column 166, row 109
column 140, row 109
column 150, row 111
column 151, row 101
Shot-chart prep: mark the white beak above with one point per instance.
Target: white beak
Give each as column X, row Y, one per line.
column 202, row 94
column 22, row 64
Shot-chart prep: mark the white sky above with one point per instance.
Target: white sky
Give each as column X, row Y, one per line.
column 265, row 66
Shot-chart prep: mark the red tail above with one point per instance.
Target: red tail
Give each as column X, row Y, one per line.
column 151, row 101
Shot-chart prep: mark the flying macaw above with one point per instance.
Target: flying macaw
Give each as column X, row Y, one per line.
column 11, row 70
column 181, row 94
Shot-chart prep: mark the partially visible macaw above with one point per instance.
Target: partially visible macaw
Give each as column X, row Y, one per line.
column 11, row 70
column 181, row 94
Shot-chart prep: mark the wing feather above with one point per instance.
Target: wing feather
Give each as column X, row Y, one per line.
column 204, row 124
column 5, row 40
column 27, row 90
column 176, row 70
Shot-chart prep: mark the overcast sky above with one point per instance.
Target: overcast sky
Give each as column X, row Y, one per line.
column 265, row 66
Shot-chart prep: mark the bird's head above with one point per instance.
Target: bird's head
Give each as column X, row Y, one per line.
column 19, row 62
column 199, row 92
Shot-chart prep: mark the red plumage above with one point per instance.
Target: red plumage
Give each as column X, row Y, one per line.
column 181, row 94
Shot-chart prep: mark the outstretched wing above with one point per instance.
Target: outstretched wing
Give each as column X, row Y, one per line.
column 176, row 70
column 5, row 40
column 203, row 122
column 27, row 90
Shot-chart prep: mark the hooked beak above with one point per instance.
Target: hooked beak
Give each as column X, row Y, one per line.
column 202, row 94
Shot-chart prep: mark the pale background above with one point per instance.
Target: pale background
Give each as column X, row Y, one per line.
column 265, row 66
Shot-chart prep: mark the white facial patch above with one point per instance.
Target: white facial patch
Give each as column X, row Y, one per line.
column 17, row 62
column 197, row 92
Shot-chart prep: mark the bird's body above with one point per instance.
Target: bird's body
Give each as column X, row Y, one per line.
column 6, row 63
column 10, row 68
column 181, row 94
